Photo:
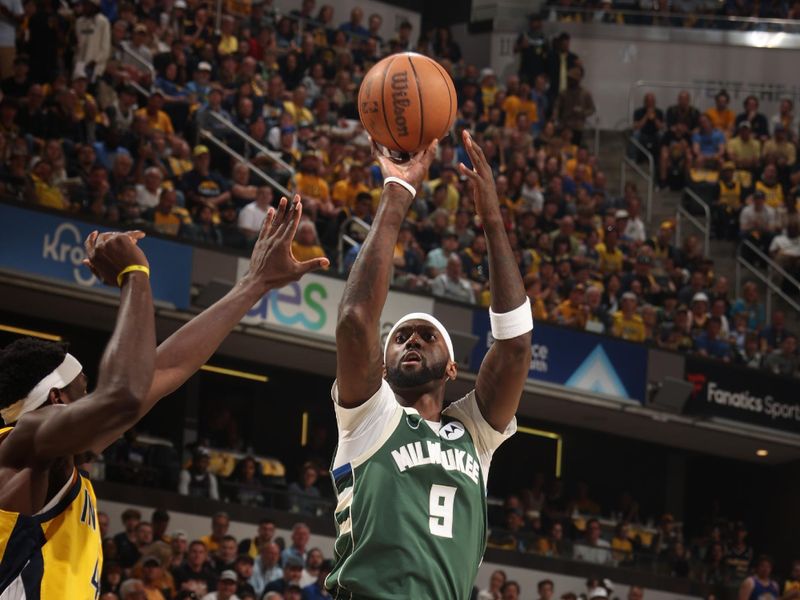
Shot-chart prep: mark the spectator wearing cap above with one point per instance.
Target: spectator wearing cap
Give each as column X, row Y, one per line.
column 437, row 259
column 488, row 84
column 710, row 343
column 292, row 571
column 572, row 311
column 266, row 567
column 201, row 184
column 626, row 323
column 610, row 255
column 196, row 481
column 642, row 273
column 152, row 578
column 593, row 548
column 195, row 573
column 698, row 314
column 745, row 149
column 750, row 304
column 758, row 222
column 226, row 587
column 200, row 87
column 451, row 284
column 574, row 105
column 727, row 202
column 758, row 122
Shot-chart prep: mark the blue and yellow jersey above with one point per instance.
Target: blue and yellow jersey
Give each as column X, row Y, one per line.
column 56, row 553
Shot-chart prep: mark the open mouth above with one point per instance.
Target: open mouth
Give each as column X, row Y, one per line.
column 411, row 357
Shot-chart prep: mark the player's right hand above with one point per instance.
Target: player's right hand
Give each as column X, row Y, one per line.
column 414, row 170
column 107, row 254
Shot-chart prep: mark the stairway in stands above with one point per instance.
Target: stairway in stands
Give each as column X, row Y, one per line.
column 665, row 202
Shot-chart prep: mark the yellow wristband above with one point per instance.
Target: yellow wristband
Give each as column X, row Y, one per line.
column 131, row 269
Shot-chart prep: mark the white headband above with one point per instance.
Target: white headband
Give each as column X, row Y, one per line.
column 420, row 316
column 61, row 377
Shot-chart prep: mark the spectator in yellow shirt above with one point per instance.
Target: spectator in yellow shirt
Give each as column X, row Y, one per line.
column 627, row 324
column 621, row 546
column 771, row 187
column 156, row 118
column 572, row 310
column 609, row 256
column 346, row 190
column 313, row 188
column 297, row 105
column 721, row 116
column 489, row 87
column 306, row 245
column 228, row 43
column 514, row 105
column 41, row 190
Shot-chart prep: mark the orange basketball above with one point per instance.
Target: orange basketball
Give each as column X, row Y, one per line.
column 406, row 101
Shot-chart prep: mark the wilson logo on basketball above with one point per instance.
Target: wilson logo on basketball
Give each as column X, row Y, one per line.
column 400, row 101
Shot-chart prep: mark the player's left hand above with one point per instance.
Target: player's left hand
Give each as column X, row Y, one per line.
column 272, row 264
column 480, row 176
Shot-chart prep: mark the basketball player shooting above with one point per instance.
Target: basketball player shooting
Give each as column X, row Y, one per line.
column 50, row 546
column 411, row 477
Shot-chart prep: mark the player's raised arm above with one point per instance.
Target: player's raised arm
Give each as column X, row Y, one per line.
column 272, row 266
column 125, row 374
column 359, row 359
column 505, row 368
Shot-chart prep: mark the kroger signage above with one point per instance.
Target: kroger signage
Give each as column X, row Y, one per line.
column 51, row 246
column 311, row 305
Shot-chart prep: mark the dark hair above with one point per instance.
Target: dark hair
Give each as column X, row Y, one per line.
column 160, row 515
column 508, row 584
column 543, row 583
column 24, row 363
column 229, row 538
column 723, row 94
column 266, row 522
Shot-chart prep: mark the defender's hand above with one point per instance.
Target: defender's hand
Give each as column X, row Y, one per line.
column 272, row 264
column 107, row 254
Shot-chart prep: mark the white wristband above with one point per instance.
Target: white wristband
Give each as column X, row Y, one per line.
column 513, row 323
column 399, row 181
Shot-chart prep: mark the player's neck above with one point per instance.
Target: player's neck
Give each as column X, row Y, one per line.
column 427, row 404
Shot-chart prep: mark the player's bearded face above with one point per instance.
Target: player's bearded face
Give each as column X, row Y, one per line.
column 400, row 376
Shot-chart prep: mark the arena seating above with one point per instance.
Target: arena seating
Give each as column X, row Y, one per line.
column 170, row 126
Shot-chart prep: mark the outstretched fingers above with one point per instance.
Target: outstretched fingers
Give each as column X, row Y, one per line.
column 475, row 153
column 266, row 226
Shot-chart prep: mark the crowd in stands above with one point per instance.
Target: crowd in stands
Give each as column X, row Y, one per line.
column 548, row 520
column 108, row 107
column 149, row 560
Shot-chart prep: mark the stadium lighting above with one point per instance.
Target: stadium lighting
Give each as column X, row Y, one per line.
column 762, row 452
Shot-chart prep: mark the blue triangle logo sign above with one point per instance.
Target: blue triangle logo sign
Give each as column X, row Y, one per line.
column 597, row 374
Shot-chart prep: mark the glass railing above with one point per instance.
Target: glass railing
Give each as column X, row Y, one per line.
column 691, row 20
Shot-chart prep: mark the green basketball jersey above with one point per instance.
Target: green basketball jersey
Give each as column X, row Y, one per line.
column 411, row 516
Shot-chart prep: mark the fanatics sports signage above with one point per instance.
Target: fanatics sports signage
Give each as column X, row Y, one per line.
column 740, row 394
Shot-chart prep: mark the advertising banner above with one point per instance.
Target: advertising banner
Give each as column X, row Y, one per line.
column 576, row 359
column 310, row 305
column 50, row 245
column 742, row 394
